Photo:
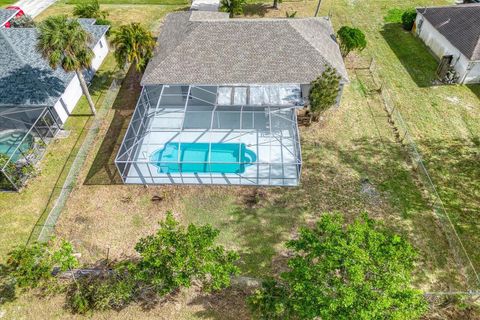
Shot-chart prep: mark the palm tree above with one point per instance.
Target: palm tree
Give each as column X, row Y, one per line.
column 133, row 44
column 63, row 42
column 233, row 7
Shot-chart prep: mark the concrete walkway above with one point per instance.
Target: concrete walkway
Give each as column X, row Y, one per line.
column 34, row 7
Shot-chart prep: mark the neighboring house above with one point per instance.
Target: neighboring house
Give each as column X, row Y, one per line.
column 35, row 100
column 219, row 100
column 6, row 15
column 27, row 80
column 205, row 5
column 453, row 35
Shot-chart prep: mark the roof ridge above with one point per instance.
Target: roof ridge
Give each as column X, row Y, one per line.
column 476, row 50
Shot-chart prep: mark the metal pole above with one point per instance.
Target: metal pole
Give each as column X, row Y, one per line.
column 318, row 8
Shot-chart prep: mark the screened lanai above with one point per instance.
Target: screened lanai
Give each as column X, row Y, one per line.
column 25, row 132
column 239, row 135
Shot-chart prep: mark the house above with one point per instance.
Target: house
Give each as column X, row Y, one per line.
column 6, row 15
column 35, row 100
column 27, row 80
column 205, row 5
column 453, row 35
column 219, row 100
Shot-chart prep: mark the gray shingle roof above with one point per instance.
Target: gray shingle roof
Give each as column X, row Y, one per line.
column 25, row 77
column 6, row 15
column 209, row 48
column 460, row 24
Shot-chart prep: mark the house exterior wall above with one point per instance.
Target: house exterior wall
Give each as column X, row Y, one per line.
column 100, row 51
column 73, row 93
column 440, row 46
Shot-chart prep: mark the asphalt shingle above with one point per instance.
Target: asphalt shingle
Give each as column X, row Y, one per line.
column 6, row 15
column 206, row 48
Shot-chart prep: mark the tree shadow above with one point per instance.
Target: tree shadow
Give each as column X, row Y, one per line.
column 475, row 88
column 412, row 53
column 222, row 305
column 31, row 86
column 103, row 170
column 255, row 9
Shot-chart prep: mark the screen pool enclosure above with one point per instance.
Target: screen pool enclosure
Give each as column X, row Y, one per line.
column 238, row 135
column 24, row 134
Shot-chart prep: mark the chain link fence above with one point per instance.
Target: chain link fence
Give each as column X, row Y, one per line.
column 403, row 136
column 47, row 228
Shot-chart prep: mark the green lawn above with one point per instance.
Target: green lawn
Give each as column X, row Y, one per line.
column 134, row 2
column 352, row 163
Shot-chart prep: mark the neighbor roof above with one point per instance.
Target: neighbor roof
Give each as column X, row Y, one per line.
column 209, row 48
column 460, row 24
column 6, row 15
column 25, row 77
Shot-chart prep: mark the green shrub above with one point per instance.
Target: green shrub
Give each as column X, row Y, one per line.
column 408, row 19
column 175, row 256
column 108, row 291
column 343, row 271
column 29, row 266
column 351, row 39
column 324, row 90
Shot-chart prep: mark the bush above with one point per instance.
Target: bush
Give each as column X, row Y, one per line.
column 175, row 256
column 108, row 291
column 408, row 19
column 29, row 266
column 343, row 271
column 233, row 7
column 24, row 21
column 351, row 39
column 324, row 91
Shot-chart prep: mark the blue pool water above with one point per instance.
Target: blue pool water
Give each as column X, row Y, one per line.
column 11, row 139
column 223, row 158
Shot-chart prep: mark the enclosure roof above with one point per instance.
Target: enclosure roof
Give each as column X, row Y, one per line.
column 25, row 77
column 6, row 15
column 460, row 24
column 207, row 48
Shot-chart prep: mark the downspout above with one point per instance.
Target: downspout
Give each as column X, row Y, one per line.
column 469, row 68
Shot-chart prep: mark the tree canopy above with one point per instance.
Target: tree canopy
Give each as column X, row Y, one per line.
column 343, row 271
column 63, row 42
column 351, row 39
column 133, row 44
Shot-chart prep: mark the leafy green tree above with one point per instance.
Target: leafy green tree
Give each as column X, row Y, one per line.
column 233, row 7
column 324, row 90
column 175, row 256
column 343, row 271
column 408, row 19
column 133, row 44
column 28, row 266
column 63, row 42
column 351, row 39
column 172, row 258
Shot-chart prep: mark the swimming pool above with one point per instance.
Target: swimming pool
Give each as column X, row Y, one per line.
column 11, row 139
column 225, row 158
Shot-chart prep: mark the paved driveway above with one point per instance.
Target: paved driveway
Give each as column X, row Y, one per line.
column 34, row 7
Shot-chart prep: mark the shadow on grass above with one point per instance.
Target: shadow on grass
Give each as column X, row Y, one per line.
column 228, row 304
column 412, row 53
column 475, row 88
column 255, row 9
column 103, row 170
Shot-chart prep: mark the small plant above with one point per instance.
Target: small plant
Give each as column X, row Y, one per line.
column 290, row 15
column 233, row 7
column 351, row 39
column 324, row 91
column 24, row 21
column 408, row 19
column 89, row 9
